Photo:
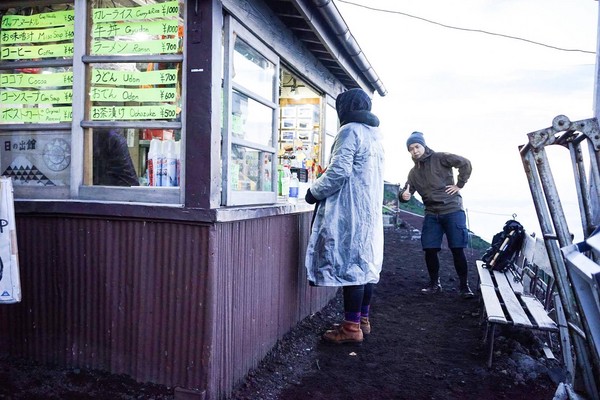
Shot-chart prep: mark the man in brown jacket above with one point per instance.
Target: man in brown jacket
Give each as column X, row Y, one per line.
column 433, row 178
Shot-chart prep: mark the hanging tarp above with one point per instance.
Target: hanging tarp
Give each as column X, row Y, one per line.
column 10, row 282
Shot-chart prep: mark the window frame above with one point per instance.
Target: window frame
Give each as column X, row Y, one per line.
column 232, row 29
column 10, row 130
column 80, row 64
column 328, row 138
column 164, row 195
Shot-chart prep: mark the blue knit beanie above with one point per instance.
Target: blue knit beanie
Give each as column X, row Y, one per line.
column 415, row 137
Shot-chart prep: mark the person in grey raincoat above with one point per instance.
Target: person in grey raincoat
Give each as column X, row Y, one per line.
column 346, row 243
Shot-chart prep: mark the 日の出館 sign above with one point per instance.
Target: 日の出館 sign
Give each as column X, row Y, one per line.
column 10, row 282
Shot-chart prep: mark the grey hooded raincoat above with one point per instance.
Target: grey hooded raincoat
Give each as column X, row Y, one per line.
column 346, row 242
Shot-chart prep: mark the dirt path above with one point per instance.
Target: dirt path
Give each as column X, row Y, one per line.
column 422, row 347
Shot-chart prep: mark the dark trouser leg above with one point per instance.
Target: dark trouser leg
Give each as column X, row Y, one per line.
column 460, row 264
column 366, row 301
column 365, row 325
column 353, row 301
column 462, row 269
column 433, row 264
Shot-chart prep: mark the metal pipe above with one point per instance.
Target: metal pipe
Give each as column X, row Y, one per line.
column 583, row 196
column 333, row 19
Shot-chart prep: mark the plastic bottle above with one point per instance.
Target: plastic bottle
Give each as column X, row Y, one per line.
column 285, row 182
column 178, row 156
column 171, row 163
column 161, row 165
column 279, row 180
column 153, row 175
column 294, row 188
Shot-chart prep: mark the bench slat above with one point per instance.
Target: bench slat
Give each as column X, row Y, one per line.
column 493, row 308
column 517, row 285
column 484, row 274
column 539, row 314
column 512, row 304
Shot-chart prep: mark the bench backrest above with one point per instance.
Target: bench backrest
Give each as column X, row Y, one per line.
column 533, row 267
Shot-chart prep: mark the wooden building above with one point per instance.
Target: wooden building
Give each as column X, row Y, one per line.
column 149, row 143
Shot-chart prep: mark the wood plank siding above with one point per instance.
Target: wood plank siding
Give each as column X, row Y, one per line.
column 189, row 305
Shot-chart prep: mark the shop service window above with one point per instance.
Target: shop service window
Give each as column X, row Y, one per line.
column 249, row 118
column 36, row 95
column 132, row 118
column 300, row 135
column 90, row 98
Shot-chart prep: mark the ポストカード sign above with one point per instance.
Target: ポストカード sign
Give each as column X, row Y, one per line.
column 10, row 283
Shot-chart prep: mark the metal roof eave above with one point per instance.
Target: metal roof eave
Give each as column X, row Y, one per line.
column 327, row 23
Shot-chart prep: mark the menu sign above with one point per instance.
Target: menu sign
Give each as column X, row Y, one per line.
column 129, row 30
column 36, row 80
column 44, row 20
column 36, row 115
column 111, row 86
column 19, row 33
column 17, row 98
column 169, row 9
column 33, row 97
column 130, row 113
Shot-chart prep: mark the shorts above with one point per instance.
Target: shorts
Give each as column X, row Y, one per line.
column 453, row 225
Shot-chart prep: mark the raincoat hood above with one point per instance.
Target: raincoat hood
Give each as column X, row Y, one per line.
column 354, row 105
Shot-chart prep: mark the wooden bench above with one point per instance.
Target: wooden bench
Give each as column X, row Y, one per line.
column 504, row 300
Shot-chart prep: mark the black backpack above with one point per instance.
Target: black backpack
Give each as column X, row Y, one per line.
column 505, row 246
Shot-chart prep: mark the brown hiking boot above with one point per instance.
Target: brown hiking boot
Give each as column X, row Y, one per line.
column 346, row 332
column 365, row 325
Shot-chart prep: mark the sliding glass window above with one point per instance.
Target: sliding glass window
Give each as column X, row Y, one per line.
column 250, row 98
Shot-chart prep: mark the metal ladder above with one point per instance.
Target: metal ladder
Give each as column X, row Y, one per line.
column 572, row 302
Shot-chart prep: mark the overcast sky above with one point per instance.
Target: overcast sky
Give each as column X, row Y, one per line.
column 478, row 95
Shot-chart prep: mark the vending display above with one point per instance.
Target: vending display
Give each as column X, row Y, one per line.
column 299, row 142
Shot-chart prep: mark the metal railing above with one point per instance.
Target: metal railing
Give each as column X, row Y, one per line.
column 557, row 237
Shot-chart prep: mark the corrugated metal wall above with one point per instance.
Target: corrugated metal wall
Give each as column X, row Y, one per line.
column 261, row 290
column 123, row 296
column 188, row 305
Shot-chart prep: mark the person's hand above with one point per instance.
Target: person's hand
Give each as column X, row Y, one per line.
column 309, row 198
column 452, row 189
column 406, row 193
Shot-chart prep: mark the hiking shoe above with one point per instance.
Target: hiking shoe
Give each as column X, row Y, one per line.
column 432, row 288
column 465, row 292
column 365, row 325
column 346, row 332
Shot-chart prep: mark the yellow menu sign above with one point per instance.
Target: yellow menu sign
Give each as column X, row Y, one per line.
column 113, row 94
column 130, row 113
column 129, row 30
column 29, row 52
column 135, row 78
column 154, row 11
column 39, row 28
column 154, row 28
column 45, row 20
column 36, row 96
column 37, row 35
column 36, row 80
column 106, row 47
column 36, row 115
